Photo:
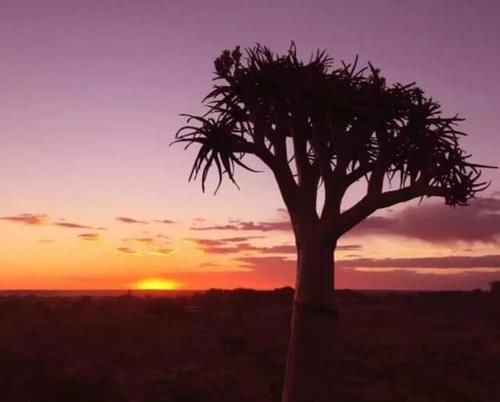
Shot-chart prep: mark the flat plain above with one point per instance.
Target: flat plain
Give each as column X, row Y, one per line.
column 223, row 346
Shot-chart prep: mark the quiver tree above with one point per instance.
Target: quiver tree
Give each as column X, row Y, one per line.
column 315, row 125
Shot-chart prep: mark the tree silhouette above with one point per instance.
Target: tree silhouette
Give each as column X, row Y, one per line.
column 317, row 126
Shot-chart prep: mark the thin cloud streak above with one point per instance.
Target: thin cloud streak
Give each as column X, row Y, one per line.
column 165, row 221
column 241, row 239
column 445, row 262
column 451, row 262
column 71, row 225
column 239, row 225
column 127, row 250
column 42, row 219
column 143, row 240
column 90, row 236
column 213, row 246
column 124, row 219
column 27, row 219
column 162, row 252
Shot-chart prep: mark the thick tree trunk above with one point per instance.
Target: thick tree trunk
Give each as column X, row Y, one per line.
column 309, row 371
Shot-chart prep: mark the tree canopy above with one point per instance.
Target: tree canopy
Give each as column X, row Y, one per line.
column 316, row 124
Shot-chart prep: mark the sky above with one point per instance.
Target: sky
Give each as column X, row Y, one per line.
column 93, row 196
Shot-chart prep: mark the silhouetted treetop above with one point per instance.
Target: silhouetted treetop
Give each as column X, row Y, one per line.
column 312, row 123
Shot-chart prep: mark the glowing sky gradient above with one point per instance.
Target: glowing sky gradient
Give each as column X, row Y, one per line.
column 90, row 97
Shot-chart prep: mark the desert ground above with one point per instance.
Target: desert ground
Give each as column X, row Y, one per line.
column 223, row 346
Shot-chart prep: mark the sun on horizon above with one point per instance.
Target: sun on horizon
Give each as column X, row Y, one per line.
column 156, row 284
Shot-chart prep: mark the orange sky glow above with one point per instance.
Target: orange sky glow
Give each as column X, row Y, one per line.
column 146, row 253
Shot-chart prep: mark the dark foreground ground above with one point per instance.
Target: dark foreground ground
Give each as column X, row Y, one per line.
column 231, row 346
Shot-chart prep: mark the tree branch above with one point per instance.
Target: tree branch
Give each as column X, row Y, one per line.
column 369, row 204
column 308, row 174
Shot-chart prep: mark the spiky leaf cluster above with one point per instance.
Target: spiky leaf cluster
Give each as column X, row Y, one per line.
column 345, row 123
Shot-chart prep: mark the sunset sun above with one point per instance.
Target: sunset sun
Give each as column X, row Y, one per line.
column 156, row 284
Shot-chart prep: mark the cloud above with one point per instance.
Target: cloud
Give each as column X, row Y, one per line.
column 42, row 219
column 405, row 279
column 124, row 219
column 265, row 226
column 127, row 250
column 89, row 236
column 215, row 227
column 143, row 240
column 266, row 262
column 162, row 252
column 445, row 262
column 239, row 239
column 292, row 249
column 487, row 203
column 208, row 265
column 377, row 224
column 206, row 242
column 236, row 245
column 280, row 271
column 198, row 220
column 71, row 225
column 45, row 241
column 281, row 249
column 248, row 226
column 166, row 221
column 349, row 247
column 430, row 222
column 27, row 219
column 149, row 243
column 210, row 246
column 437, row 223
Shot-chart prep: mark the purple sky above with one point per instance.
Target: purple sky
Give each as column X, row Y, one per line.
column 91, row 92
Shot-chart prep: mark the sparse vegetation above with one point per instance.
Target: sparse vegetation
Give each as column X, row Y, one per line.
column 398, row 347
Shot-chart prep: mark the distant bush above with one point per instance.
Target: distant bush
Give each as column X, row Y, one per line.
column 164, row 307
column 495, row 287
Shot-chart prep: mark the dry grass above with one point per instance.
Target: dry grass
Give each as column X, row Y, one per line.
column 232, row 347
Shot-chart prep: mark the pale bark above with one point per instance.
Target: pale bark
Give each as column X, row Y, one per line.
column 309, row 373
